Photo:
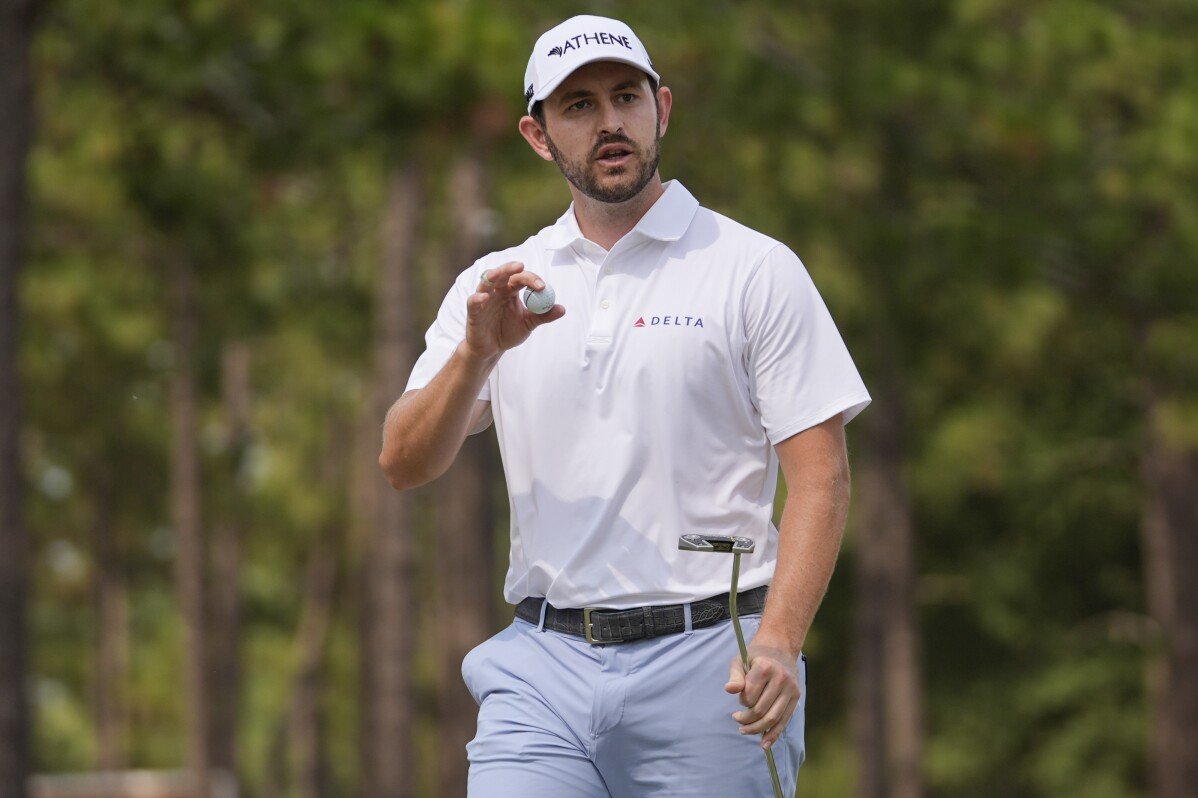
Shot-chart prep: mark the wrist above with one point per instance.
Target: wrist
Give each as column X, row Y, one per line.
column 777, row 640
column 474, row 359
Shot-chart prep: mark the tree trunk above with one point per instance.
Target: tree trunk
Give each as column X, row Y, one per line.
column 466, row 601
column 868, row 703
column 388, row 633
column 224, row 647
column 902, row 678
column 1170, row 543
column 893, row 708
column 16, row 132
column 274, row 770
column 307, row 728
column 185, row 516
column 364, row 496
column 110, row 598
column 889, row 687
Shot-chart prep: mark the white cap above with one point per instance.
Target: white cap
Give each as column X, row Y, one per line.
column 577, row 41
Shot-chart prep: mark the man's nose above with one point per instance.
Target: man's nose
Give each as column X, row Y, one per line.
column 610, row 120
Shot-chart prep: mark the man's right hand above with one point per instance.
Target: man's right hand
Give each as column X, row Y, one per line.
column 496, row 319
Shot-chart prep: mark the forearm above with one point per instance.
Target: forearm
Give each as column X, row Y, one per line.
column 424, row 430
column 810, row 533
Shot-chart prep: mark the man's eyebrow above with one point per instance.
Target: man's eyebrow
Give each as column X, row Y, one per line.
column 574, row 95
column 580, row 93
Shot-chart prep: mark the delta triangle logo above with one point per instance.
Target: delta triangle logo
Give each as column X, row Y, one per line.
column 640, row 322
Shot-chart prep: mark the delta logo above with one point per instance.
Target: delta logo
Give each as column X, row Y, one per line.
column 669, row 321
column 598, row 37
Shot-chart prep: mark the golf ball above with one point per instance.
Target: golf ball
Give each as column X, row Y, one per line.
column 539, row 301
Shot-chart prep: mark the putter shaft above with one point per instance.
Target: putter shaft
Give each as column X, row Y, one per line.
column 744, row 658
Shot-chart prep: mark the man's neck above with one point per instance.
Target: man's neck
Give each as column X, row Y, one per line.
column 605, row 223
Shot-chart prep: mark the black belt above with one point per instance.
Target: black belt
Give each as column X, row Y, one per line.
column 621, row 626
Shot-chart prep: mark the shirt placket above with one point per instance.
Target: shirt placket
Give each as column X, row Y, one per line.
column 600, row 330
column 603, row 311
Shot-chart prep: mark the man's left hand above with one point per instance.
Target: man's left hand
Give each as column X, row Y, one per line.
column 770, row 692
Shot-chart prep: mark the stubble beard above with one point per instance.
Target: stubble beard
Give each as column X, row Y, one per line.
column 583, row 177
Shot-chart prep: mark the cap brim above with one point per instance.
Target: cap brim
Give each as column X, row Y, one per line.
column 557, row 80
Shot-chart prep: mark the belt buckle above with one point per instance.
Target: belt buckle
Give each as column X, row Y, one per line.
column 586, row 628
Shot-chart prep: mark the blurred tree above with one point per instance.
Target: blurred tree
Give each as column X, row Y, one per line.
column 190, row 559
column 1095, row 101
column 17, row 24
column 388, row 643
column 306, row 727
column 224, row 628
column 875, row 90
column 177, row 165
column 110, row 591
column 166, row 185
column 1170, row 560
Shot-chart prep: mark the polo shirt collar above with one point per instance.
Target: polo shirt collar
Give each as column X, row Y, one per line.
column 667, row 220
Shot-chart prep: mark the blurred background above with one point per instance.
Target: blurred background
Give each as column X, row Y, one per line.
column 224, row 227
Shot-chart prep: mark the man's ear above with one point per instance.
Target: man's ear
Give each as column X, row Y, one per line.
column 665, row 101
column 534, row 134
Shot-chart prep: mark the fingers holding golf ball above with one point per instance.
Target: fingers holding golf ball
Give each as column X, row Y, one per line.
column 510, row 279
column 770, row 693
column 539, row 302
column 496, row 317
column 537, row 295
column 499, row 278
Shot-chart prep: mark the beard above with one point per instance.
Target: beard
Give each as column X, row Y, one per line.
column 582, row 173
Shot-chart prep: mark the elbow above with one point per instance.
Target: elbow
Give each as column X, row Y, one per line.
column 387, row 465
column 398, row 474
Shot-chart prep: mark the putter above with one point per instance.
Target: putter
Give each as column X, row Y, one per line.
column 736, row 546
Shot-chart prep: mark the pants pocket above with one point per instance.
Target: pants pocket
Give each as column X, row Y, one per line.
column 472, row 665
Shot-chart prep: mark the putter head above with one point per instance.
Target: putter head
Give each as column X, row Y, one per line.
column 722, row 544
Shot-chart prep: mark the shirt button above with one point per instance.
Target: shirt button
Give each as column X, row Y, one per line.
column 605, row 304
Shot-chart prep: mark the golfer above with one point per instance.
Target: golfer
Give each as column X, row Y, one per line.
column 686, row 357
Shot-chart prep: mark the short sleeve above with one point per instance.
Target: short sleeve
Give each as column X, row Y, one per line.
column 799, row 369
column 446, row 332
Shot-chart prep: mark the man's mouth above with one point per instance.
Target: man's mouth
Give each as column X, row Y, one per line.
column 614, row 154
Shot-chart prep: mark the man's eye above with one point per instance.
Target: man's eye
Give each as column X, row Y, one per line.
column 627, row 97
column 578, row 104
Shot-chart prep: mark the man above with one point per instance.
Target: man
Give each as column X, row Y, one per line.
column 686, row 358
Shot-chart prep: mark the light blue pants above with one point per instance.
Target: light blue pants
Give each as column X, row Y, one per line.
column 562, row 718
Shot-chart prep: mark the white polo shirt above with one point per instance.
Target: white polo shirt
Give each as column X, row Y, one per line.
column 652, row 407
